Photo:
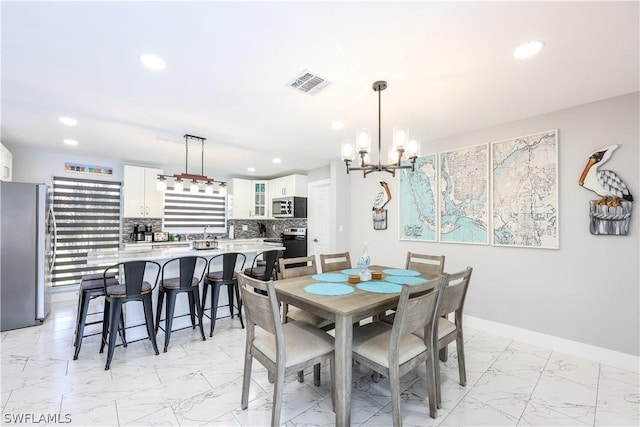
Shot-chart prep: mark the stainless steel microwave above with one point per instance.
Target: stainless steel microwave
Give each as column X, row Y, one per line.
column 289, row 207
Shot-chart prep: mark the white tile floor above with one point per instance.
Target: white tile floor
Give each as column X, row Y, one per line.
column 199, row 383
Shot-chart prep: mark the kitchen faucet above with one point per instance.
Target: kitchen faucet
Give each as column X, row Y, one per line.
column 204, row 235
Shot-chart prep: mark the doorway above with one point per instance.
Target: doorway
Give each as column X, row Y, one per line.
column 321, row 218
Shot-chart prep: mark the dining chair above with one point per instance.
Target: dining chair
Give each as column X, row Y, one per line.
column 282, row 348
column 225, row 277
column 454, row 295
column 187, row 281
column 394, row 350
column 335, row 262
column 298, row 267
column 133, row 286
column 430, row 264
column 267, row 271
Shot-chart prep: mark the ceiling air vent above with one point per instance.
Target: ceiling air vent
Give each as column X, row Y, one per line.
column 308, row 82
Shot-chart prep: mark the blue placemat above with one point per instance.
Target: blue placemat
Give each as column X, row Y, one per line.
column 380, row 287
column 350, row 271
column 328, row 289
column 400, row 272
column 406, row 280
column 330, row 277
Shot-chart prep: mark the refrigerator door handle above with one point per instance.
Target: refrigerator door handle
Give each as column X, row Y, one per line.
column 55, row 238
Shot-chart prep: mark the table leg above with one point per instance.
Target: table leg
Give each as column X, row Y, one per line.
column 343, row 342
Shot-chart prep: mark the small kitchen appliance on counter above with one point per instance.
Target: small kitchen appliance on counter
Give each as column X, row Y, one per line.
column 159, row 236
column 138, row 234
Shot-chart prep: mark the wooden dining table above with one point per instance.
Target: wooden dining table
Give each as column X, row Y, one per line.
column 344, row 311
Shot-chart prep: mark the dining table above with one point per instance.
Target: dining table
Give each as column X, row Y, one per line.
column 345, row 310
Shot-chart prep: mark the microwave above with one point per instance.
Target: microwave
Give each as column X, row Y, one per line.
column 289, row 207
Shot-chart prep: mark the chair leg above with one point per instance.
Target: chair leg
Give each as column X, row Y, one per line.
column 394, row 385
column 192, row 310
column 159, row 308
column 316, row 375
column 444, row 355
column 215, row 291
column 148, row 315
column 277, row 397
column 462, row 370
column 168, row 321
column 83, row 307
column 246, row 379
column 300, row 376
column 114, row 318
column 239, row 302
column 122, row 329
column 105, row 324
column 230, row 299
column 195, row 295
column 431, row 389
column 436, row 371
column 205, row 288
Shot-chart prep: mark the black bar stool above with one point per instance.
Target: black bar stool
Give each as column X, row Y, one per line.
column 226, row 277
column 132, row 286
column 187, row 281
column 91, row 286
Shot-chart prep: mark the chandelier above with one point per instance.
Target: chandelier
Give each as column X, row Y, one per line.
column 401, row 144
column 195, row 181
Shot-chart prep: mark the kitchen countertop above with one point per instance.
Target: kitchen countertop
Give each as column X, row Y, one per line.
column 144, row 251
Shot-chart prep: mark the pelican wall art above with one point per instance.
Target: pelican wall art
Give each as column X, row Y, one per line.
column 612, row 212
column 379, row 212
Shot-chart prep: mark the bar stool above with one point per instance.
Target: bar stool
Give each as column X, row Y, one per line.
column 267, row 271
column 187, row 281
column 91, row 286
column 226, row 277
column 132, row 287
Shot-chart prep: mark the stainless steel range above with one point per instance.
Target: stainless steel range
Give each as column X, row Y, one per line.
column 295, row 242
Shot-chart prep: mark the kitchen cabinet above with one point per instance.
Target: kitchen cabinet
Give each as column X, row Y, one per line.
column 288, row 186
column 6, row 164
column 250, row 198
column 142, row 199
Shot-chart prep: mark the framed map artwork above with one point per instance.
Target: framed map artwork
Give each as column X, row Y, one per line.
column 525, row 191
column 417, row 195
column 464, row 190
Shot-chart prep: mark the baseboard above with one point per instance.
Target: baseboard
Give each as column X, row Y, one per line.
column 605, row 356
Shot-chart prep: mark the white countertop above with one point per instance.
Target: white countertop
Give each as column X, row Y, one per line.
column 143, row 251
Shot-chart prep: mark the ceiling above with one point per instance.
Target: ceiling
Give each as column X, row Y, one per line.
column 449, row 67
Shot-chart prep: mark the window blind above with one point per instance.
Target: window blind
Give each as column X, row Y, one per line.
column 187, row 212
column 87, row 218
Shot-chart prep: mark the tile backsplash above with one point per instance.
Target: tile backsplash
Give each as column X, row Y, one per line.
column 274, row 227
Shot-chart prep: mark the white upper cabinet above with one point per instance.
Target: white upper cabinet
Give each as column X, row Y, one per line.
column 6, row 164
column 250, row 198
column 288, row 186
column 142, row 199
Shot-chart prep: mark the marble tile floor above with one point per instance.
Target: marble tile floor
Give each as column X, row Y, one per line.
column 199, row 383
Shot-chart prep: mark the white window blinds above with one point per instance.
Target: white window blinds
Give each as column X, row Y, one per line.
column 187, row 212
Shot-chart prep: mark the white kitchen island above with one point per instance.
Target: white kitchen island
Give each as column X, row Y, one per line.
column 163, row 252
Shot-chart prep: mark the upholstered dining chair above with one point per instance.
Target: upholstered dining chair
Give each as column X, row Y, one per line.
column 190, row 270
column 281, row 348
column 335, row 262
column 394, row 350
column 454, row 295
column 225, row 277
column 298, row 267
column 136, row 282
column 430, row 264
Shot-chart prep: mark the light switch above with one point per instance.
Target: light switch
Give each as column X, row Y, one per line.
column 245, row 228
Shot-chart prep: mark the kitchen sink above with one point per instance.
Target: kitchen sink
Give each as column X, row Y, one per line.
column 205, row 244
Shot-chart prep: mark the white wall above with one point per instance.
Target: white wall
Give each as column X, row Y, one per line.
column 587, row 291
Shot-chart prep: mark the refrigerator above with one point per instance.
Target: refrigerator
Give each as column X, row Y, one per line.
column 27, row 254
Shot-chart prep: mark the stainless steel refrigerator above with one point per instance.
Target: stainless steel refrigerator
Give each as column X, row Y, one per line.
column 27, row 254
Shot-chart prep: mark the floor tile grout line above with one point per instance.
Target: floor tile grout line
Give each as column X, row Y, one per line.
column 595, row 407
column 544, row 368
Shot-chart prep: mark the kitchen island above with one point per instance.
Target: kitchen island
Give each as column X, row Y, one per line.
column 163, row 252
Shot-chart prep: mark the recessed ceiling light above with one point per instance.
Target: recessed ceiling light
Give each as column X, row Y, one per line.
column 68, row 121
column 337, row 124
column 70, row 142
column 153, row 61
column 251, row 169
column 276, row 160
column 528, row 49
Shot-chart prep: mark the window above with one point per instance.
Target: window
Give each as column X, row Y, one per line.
column 188, row 212
column 87, row 218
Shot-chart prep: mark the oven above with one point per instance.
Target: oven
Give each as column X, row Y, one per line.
column 295, row 242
